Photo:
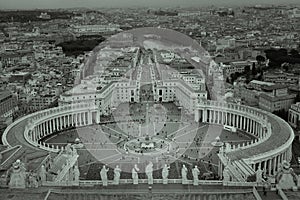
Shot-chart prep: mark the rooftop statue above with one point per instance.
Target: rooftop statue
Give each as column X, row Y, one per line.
column 18, row 175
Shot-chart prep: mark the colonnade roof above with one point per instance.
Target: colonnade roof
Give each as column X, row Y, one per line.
column 281, row 133
column 15, row 136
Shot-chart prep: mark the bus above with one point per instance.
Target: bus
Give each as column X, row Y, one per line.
column 230, row 128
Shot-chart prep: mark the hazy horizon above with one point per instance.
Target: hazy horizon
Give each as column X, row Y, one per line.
column 46, row 4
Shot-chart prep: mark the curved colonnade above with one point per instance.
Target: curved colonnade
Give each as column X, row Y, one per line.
column 271, row 146
column 46, row 122
column 273, row 136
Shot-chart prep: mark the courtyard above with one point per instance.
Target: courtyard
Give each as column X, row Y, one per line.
column 139, row 133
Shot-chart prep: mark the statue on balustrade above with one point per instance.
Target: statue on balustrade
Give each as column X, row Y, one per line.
column 76, row 174
column 195, row 172
column 78, row 144
column 103, row 174
column 3, row 180
column 32, row 180
column 227, row 147
column 149, row 172
column 117, row 174
column 226, row 174
column 259, row 177
column 184, row 174
column 18, row 175
column 286, row 177
column 165, row 174
column 68, row 149
column 134, row 174
column 43, row 174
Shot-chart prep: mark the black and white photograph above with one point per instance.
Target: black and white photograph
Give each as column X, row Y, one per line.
column 149, row 100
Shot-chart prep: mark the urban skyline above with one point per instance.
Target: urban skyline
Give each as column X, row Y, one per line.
column 43, row 4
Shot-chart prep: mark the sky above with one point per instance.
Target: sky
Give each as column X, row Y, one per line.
column 32, row 4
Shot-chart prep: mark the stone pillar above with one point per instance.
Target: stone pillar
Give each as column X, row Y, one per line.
column 83, row 118
column 50, row 126
column 204, row 115
column 38, row 130
column 71, row 119
column 244, row 123
column 89, row 117
column 196, row 115
column 55, row 124
column 80, row 118
column 60, row 122
column 249, row 125
column 269, row 166
column 265, row 166
column 76, row 119
column 278, row 163
column 222, row 117
column 43, row 128
column 235, row 120
column 275, row 165
column 98, row 117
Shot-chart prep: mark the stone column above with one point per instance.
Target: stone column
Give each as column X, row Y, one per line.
column 244, row 123
column 196, row 118
column 76, row 119
column 43, row 128
column 37, row 130
column 204, row 115
column 51, row 126
column 270, row 167
column 216, row 117
column 265, row 166
column 234, row 119
column 222, row 117
column 90, row 117
column 254, row 128
column 80, row 119
column 46, row 127
column 278, row 163
column 98, row 117
column 71, row 119
column 37, row 127
column 60, row 122
column 275, row 165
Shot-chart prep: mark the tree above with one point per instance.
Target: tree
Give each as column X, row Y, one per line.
column 282, row 114
column 254, row 71
column 260, row 59
column 247, row 69
column 294, row 53
column 227, row 80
